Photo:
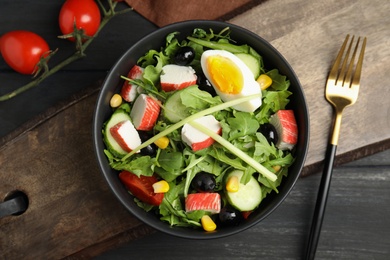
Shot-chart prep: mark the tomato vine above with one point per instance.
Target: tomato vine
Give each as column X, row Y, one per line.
column 82, row 42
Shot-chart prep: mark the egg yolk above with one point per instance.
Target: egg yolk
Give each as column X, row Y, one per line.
column 225, row 74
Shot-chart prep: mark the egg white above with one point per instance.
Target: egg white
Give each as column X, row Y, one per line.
column 250, row 87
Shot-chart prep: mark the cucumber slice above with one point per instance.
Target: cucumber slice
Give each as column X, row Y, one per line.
column 252, row 62
column 174, row 110
column 248, row 196
column 118, row 116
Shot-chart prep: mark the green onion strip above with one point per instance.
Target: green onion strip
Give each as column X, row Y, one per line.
column 250, row 161
column 243, row 156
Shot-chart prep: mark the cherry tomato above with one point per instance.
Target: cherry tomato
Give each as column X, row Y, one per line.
column 141, row 187
column 85, row 13
column 22, row 50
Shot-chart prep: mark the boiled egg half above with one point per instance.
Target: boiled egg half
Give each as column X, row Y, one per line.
column 231, row 78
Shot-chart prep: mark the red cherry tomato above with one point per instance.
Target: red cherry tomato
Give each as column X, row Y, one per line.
column 85, row 13
column 22, row 50
column 141, row 187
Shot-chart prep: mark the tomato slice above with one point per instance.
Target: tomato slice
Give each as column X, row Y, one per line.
column 141, row 187
column 246, row 214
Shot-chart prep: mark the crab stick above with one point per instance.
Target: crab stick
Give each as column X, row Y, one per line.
column 195, row 138
column 286, row 127
column 175, row 77
column 129, row 91
column 125, row 134
column 207, row 201
column 145, row 112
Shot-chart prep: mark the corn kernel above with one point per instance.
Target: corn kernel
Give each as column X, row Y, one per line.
column 162, row 142
column 116, row 100
column 232, row 184
column 276, row 168
column 160, row 187
column 207, row 223
column 264, row 81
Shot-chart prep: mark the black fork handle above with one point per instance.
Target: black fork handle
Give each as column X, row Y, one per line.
column 322, row 198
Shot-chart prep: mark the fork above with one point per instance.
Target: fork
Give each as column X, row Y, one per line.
column 342, row 90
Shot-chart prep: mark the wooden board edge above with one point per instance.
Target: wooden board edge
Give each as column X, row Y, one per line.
column 350, row 156
column 51, row 112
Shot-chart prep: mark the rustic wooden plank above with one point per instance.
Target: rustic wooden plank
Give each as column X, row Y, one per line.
column 309, row 37
column 70, row 205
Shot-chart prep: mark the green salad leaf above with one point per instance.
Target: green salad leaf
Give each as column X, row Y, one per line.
column 242, row 124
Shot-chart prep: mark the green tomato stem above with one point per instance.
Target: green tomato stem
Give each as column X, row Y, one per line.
column 108, row 15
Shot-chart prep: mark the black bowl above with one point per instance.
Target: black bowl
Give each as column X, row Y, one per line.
column 272, row 59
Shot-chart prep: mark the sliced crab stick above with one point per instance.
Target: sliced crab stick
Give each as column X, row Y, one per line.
column 129, row 91
column 175, row 77
column 207, row 201
column 196, row 139
column 286, row 127
column 145, row 112
column 125, row 135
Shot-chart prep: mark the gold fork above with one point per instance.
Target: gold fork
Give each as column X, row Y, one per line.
column 342, row 90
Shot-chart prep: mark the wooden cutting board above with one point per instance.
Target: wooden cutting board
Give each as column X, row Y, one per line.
column 71, row 211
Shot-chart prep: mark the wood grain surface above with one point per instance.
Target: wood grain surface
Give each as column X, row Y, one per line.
column 309, row 35
column 73, row 214
column 70, row 206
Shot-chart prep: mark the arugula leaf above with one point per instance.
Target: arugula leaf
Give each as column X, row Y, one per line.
column 148, row 58
column 272, row 102
column 221, row 45
column 172, row 45
column 221, row 41
column 193, row 97
column 152, row 72
column 279, row 82
column 263, row 150
column 242, row 124
column 221, row 155
column 143, row 165
column 170, row 161
column 169, row 164
column 171, row 208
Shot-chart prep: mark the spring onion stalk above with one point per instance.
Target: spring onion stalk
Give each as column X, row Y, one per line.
column 243, row 156
column 189, row 119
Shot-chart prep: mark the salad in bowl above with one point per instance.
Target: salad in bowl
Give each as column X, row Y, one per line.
column 201, row 129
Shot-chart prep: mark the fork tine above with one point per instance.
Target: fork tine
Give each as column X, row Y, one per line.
column 342, row 76
column 358, row 70
column 335, row 68
column 347, row 78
